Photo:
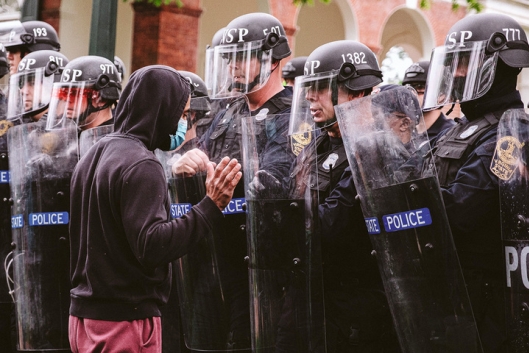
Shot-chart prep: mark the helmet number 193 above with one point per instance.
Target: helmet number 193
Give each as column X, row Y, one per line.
column 40, row 32
column 355, row 58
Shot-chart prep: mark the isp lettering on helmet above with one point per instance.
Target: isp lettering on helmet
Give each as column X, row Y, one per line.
column 228, row 36
column 56, row 59
column 12, row 35
column 274, row 29
column 26, row 64
column 512, row 33
column 355, row 58
column 107, row 68
column 40, row 32
column 310, row 67
column 516, row 263
column 71, row 75
column 452, row 38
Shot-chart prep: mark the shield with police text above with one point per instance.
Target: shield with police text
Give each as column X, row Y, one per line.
column 284, row 257
column 89, row 137
column 212, row 279
column 509, row 164
column 387, row 146
column 41, row 165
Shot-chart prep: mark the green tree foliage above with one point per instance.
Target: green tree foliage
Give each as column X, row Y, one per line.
column 424, row 4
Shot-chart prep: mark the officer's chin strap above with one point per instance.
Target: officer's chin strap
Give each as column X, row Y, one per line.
column 89, row 111
column 451, row 109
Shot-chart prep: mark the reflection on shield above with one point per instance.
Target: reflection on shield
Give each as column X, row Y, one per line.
column 284, row 259
column 41, row 166
column 510, row 165
column 407, row 223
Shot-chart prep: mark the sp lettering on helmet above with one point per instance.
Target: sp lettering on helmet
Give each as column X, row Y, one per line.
column 274, row 29
column 458, row 37
column 40, row 32
column 310, row 66
column 195, row 85
column 26, row 64
column 234, row 35
column 71, row 75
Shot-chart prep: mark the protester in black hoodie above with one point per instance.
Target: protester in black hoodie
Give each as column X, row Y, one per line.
column 122, row 240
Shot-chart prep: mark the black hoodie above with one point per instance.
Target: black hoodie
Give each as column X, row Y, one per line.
column 122, row 240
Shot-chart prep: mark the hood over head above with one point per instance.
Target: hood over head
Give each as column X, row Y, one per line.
column 151, row 105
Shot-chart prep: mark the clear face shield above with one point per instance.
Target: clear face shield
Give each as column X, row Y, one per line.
column 72, row 102
column 29, row 93
column 459, row 74
column 239, row 69
column 314, row 100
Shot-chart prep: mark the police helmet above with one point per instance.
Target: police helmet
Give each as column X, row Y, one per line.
column 463, row 69
column 341, row 64
column 30, row 89
column 257, row 27
column 294, row 67
column 199, row 92
column 243, row 60
column 87, row 77
column 416, row 73
column 38, row 35
column 354, row 64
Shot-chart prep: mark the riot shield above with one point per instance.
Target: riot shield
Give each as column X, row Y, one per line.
column 212, row 279
column 509, row 163
column 407, row 223
column 284, row 257
column 41, row 165
column 89, row 137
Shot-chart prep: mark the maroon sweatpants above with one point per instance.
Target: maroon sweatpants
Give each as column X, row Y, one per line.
column 98, row 336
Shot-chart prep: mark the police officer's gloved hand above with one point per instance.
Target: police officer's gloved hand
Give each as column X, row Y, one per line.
column 265, row 186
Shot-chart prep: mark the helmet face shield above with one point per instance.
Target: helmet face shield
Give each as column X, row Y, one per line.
column 314, row 98
column 29, row 93
column 239, row 69
column 458, row 75
column 71, row 101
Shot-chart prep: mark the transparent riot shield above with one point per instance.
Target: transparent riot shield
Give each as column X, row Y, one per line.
column 284, row 257
column 509, row 163
column 407, row 223
column 89, row 137
column 41, row 165
column 212, row 279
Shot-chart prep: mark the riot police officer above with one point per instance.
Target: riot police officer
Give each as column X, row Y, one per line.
column 30, row 88
column 493, row 48
column 28, row 37
column 356, row 310
column 88, row 89
column 435, row 121
column 293, row 69
column 246, row 70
